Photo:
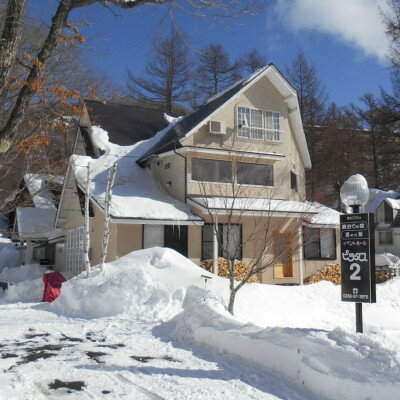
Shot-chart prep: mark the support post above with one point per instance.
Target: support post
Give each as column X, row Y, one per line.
column 28, row 252
column 301, row 272
column 215, row 245
column 359, row 320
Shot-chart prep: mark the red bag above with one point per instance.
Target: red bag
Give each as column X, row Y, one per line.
column 52, row 286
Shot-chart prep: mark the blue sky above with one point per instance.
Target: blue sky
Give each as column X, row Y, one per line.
column 344, row 38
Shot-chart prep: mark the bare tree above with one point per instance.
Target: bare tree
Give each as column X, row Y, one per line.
column 166, row 72
column 108, row 196
column 86, row 242
column 59, row 23
column 248, row 192
column 251, row 61
column 215, row 70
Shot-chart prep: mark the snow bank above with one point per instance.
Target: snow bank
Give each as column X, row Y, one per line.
column 333, row 364
column 147, row 284
column 291, row 330
column 9, row 255
column 25, row 283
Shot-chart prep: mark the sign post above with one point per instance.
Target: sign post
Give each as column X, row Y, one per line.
column 358, row 261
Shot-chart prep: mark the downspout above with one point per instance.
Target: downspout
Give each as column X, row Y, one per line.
column 185, row 158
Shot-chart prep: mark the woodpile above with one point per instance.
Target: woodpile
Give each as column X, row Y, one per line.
column 241, row 269
column 331, row 273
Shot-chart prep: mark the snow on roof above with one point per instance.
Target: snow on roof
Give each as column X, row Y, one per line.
column 36, row 185
column 376, row 196
column 35, row 223
column 326, row 216
column 136, row 193
column 394, row 203
column 313, row 213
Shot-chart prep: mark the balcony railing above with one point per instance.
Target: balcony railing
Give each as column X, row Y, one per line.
column 266, row 135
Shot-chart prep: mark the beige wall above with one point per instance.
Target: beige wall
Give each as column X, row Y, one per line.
column 261, row 95
column 173, row 178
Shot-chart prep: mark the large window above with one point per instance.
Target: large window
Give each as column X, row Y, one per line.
column 255, row 174
column 258, row 124
column 229, row 241
column 386, row 237
column 319, row 244
column 204, row 170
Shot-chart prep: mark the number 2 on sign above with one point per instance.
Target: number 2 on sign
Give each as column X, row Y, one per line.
column 355, row 275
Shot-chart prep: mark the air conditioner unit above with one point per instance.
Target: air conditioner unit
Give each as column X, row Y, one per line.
column 217, row 127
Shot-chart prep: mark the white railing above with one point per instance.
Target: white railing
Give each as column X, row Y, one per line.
column 262, row 134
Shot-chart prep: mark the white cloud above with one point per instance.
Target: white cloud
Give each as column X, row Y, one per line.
column 356, row 22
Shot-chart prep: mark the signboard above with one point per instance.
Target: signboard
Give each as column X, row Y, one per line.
column 358, row 258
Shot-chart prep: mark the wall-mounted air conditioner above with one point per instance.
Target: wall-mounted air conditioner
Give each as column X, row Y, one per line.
column 217, row 127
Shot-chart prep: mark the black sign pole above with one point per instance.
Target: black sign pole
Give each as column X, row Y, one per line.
column 359, row 317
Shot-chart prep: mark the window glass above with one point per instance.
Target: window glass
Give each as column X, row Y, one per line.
column 385, row 237
column 232, row 240
column 229, row 241
column 293, row 181
column 211, row 170
column 328, row 245
column 243, row 122
column 319, row 243
column 255, row 174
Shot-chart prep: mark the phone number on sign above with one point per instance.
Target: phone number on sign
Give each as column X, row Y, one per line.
column 355, row 296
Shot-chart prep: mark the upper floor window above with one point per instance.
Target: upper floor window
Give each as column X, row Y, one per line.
column 255, row 174
column 204, row 170
column 258, row 124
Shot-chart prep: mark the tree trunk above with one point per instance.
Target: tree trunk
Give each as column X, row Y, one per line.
column 10, row 38
column 87, row 226
column 106, row 233
column 26, row 93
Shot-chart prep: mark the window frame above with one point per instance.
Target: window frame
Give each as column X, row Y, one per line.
column 319, row 257
column 266, row 131
column 386, row 243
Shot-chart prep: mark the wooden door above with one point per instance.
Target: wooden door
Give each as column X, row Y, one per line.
column 283, row 267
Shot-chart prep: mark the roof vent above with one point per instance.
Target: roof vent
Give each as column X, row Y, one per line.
column 217, row 127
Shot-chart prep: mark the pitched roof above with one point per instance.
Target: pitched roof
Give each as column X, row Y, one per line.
column 126, row 124
column 188, row 124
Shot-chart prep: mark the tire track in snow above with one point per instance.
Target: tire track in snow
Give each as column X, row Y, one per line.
column 139, row 388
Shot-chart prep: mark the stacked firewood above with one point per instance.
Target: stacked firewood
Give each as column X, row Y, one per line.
column 331, row 273
column 241, row 269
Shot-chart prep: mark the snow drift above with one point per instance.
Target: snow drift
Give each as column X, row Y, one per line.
column 9, row 255
column 291, row 330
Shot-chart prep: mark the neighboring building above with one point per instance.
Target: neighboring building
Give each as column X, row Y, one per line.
column 386, row 206
column 228, row 177
column 32, row 221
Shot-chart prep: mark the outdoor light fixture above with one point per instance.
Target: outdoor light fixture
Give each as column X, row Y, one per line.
column 354, row 192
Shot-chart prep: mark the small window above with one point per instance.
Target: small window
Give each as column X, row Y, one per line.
column 386, row 237
column 319, row 244
column 293, row 181
column 204, row 170
column 167, row 165
column 255, row 174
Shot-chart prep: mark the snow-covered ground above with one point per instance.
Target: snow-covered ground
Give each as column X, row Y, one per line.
column 145, row 328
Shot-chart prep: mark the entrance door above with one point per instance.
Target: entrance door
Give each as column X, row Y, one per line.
column 74, row 256
column 283, row 267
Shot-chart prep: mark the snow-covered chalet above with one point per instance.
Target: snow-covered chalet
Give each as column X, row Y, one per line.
column 225, row 180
